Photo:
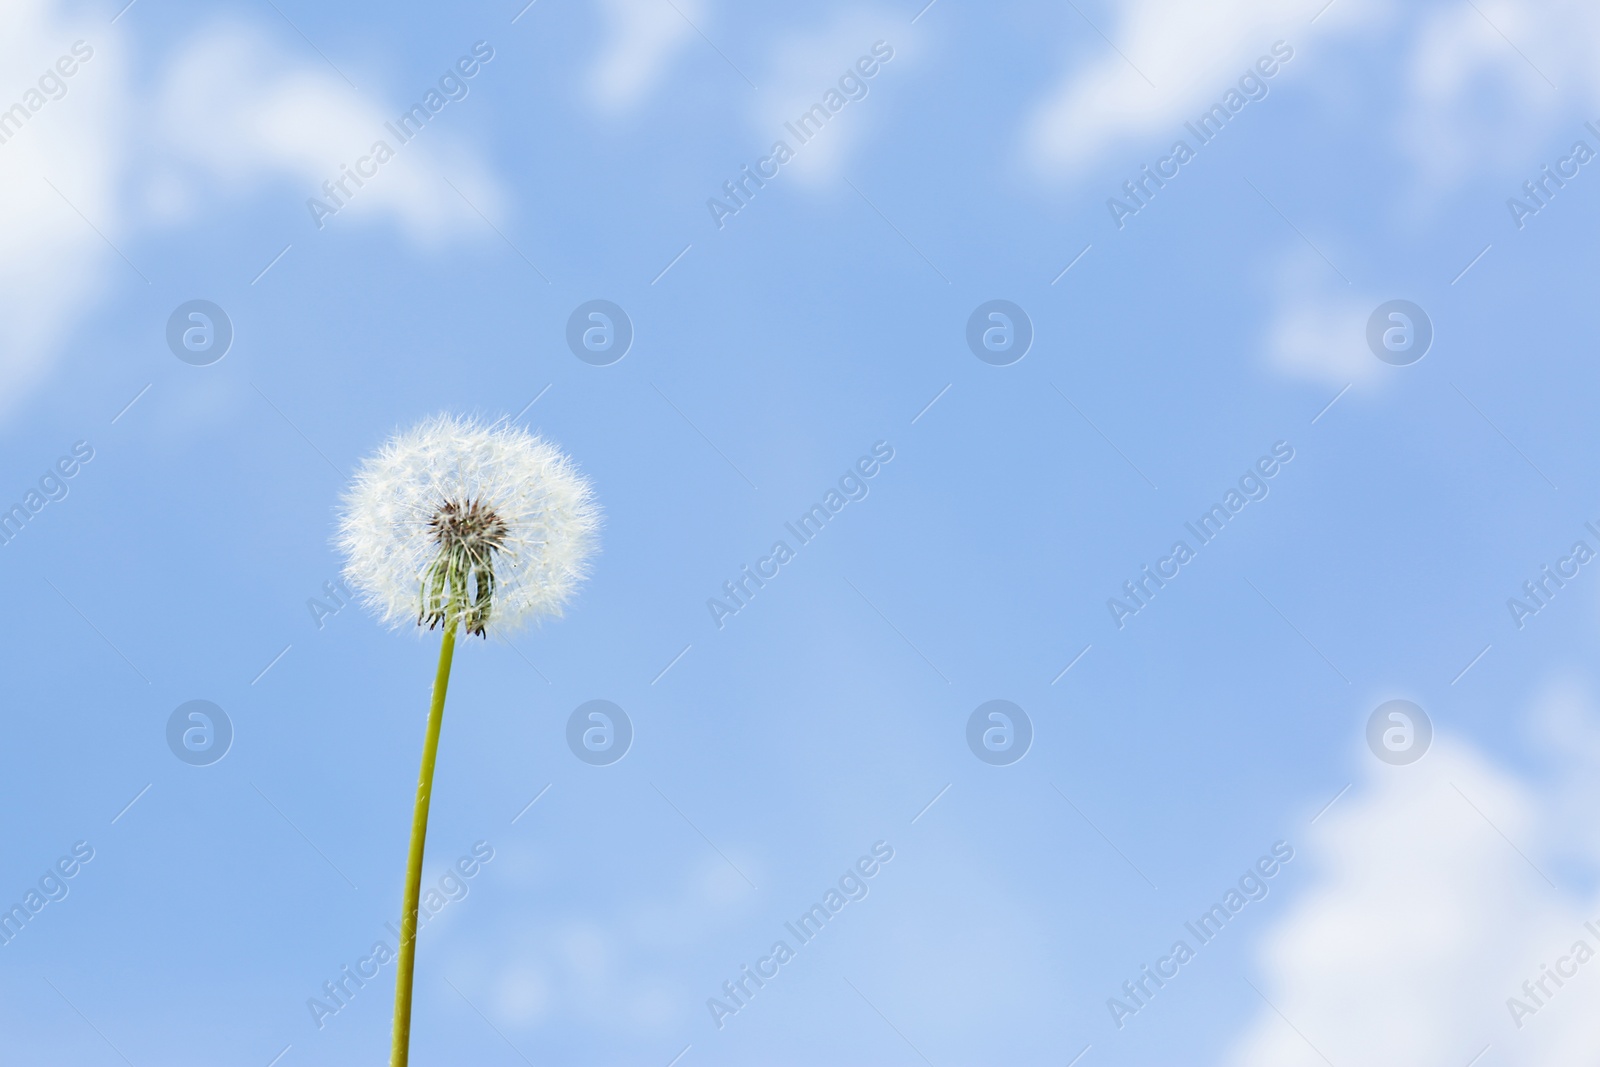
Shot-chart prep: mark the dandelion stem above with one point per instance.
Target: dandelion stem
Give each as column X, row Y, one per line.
column 401, row 1054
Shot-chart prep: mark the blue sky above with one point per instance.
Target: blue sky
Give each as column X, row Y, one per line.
column 1226, row 318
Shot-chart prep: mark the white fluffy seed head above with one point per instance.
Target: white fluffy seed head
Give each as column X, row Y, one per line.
column 455, row 493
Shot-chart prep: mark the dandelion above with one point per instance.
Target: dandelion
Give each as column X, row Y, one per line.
column 458, row 526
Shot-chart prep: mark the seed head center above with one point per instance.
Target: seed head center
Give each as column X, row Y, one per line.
column 471, row 527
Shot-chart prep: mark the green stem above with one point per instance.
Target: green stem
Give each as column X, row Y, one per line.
column 401, row 1055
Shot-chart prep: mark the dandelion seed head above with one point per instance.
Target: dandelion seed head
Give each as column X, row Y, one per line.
column 457, row 522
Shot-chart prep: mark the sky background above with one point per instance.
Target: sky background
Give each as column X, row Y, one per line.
column 1228, row 316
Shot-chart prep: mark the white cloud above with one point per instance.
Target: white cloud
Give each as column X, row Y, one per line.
column 230, row 115
column 805, row 68
column 240, row 116
column 1318, row 331
column 1425, row 918
column 645, row 36
column 1479, row 93
column 576, row 967
column 1477, row 78
column 1170, row 60
column 52, row 263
